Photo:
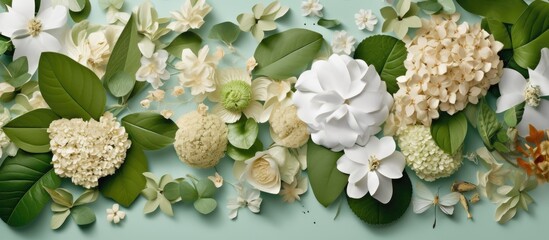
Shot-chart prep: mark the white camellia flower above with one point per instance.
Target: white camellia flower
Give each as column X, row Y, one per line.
column 153, row 69
column 312, row 8
column 33, row 34
column 343, row 43
column 371, row 168
column 343, row 101
column 515, row 89
column 365, row 19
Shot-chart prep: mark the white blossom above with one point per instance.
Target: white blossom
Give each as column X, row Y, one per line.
column 343, row 43
column 312, row 8
column 191, row 16
column 153, row 69
column 365, row 19
column 114, row 214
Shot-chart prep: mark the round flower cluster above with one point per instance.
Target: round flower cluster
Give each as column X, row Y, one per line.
column 287, row 129
column 201, row 139
column 448, row 66
column 88, row 150
column 424, row 156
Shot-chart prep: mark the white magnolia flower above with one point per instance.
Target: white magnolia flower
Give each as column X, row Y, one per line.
column 515, row 89
column 371, row 168
column 114, row 214
column 198, row 71
column 217, row 179
column 153, row 69
column 343, row 101
column 365, row 19
column 312, row 8
column 191, row 16
column 33, row 34
column 343, row 43
column 247, row 197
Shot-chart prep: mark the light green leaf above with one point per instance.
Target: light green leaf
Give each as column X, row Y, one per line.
column 151, row 206
column 165, row 205
column 84, row 12
column 171, row 191
column 16, row 73
column 507, row 11
column 243, row 133
column 164, row 180
column 126, row 184
column 501, row 148
column 514, row 115
column 449, row 131
column 87, row 197
column 471, row 113
column 244, row 154
column 185, row 40
column 188, row 192
column 70, row 89
column 150, row 130
column 286, row 54
column 58, row 219
column 430, row 7
column 83, row 215
column 226, row 32
column 387, row 54
column 121, row 84
column 150, row 193
column 60, row 196
column 29, row 131
column 56, row 208
column 205, row 205
column 205, row 188
column 487, row 122
column 4, row 46
column 22, row 182
column 328, row 23
column 326, row 181
column 530, row 34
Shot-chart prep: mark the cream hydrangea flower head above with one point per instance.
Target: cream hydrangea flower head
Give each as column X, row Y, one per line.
column 424, row 156
column 201, row 140
column 88, row 150
column 448, row 66
column 287, row 129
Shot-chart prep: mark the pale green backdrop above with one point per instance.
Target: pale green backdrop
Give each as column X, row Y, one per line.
column 277, row 220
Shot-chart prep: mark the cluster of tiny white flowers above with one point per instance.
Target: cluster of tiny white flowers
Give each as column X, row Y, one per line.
column 287, row 129
column 532, row 95
column 448, row 66
column 201, row 139
column 88, row 150
column 424, row 156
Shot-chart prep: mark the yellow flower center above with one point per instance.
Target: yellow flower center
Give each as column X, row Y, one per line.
column 532, row 95
column 35, row 27
column 374, row 163
column 261, row 171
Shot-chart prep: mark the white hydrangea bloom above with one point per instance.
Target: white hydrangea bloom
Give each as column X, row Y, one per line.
column 191, row 16
column 343, row 43
column 88, row 150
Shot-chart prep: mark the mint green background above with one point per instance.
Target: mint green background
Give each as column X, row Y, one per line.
column 302, row 220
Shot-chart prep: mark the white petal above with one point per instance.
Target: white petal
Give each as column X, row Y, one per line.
column 384, row 192
column 53, row 17
column 421, row 205
column 254, row 110
column 346, row 165
column 333, row 75
column 358, row 174
column 259, row 88
column 226, row 115
column 23, row 7
column 387, row 146
column 358, row 190
column 543, row 65
column 512, row 82
column 373, row 182
column 508, row 101
column 536, row 116
column 392, row 166
column 538, row 79
column 308, row 82
column 358, row 154
column 12, row 22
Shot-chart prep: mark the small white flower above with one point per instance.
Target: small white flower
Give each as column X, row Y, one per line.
column 247, row 197
column 371, row 168
column 114, row 214
column 190, row 16
column 178, row 91
column 156, row 95
column 343, row 43
column 365, row 19
column 153, row 69
column 167, row 114
column 198, row 71
column 312, row 8
column 291, row 192
column 145, row 103
column 217, row 180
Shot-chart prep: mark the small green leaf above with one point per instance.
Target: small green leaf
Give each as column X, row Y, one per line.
column 243, row 133
column 500, row 147
column 328, row 23
column 514, row 115
column 372, row 211
column 60, row 196
column 83, row 215
column 205, row 188
column 87, row 197
column 16, row 73
column 150, row 130
column 165, row 205
column 326, row 181
column 4, row 46
column 29, row 131
column 150, row 193
column 507, row 11
column 56, row 208
column 84, row 13
column 430, row 6
column 449, row 131
column 171, row 191
column 488, row 124
column 188, row 192
column 205, row 205
column 121, row 84
column 471, row 113
column 226, row 32
column 244, row 154
column 58, row 219
column 185, row 40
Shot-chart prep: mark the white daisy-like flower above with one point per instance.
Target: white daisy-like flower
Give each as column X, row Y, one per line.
column 153, row 69
column 312, row 8
column 371, row 168
column 343, row 43
column 247, row 197
column 33, row 34
column 365, row 19
column 198, row 71
column 114, row 214
column 515, row 89
column 191, row 16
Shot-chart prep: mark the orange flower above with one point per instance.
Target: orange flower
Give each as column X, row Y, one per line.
column 536, row 149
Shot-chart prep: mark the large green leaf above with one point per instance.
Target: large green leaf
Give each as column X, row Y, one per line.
column 449, row 131
column 387, row 54
column 507, row 11
column 326, row 181
column 487, row 123
column 150, row 130
column 243, row 133
column 185, row 40
column 286, row 54
column 22, row 182
column 531, row 34
column 29, row 131
column 372, row 211
column 70, row 89
column 128, row 181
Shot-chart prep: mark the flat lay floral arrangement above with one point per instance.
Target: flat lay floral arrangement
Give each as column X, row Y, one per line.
column 348, row 118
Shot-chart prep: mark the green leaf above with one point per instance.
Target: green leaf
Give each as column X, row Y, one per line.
column 70, row 89
column 5, row 45
column 125, row 56
column 121, row 84
column 87, row 197
column 372, row 211
column 29, row 131
column 449, row 131
column 22, row 182
column 171, row 191
column 185, row 40
column 205, row 188
column 150, row 130
column 60, row 196
column 387, row 54
column 499, row 30
column 430, row 6
column 326, row 181
column 82, row 14
column 16, row 73
column 150, row 193
column 165, row 205
column 328, row 23
column 530, row 34
column 244, row 154
column 58, row 218
column 514, row 115
column 188, row 192
column 126, row 184
column 487, row 122
column 56, row 208
column 83, row 215
column 286, row 54
column 500, row 147
column 243, row 133
column 226, row 32
column 205, row 205
column 471, row 113
column 507, row 11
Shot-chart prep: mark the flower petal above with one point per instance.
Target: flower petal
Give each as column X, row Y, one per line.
column 358, row 190
column 226, row 115
column 53, row 17
column 536, row 116
column 387, row 146
column 392, row 166
column 385, row 191
column 512, row 82
column 333, row 75
column 373, row 182
column 541, row 80
column 23, row 7
column 508, row 101
column 254, row 110
column 543, row 65
column 346, row 165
